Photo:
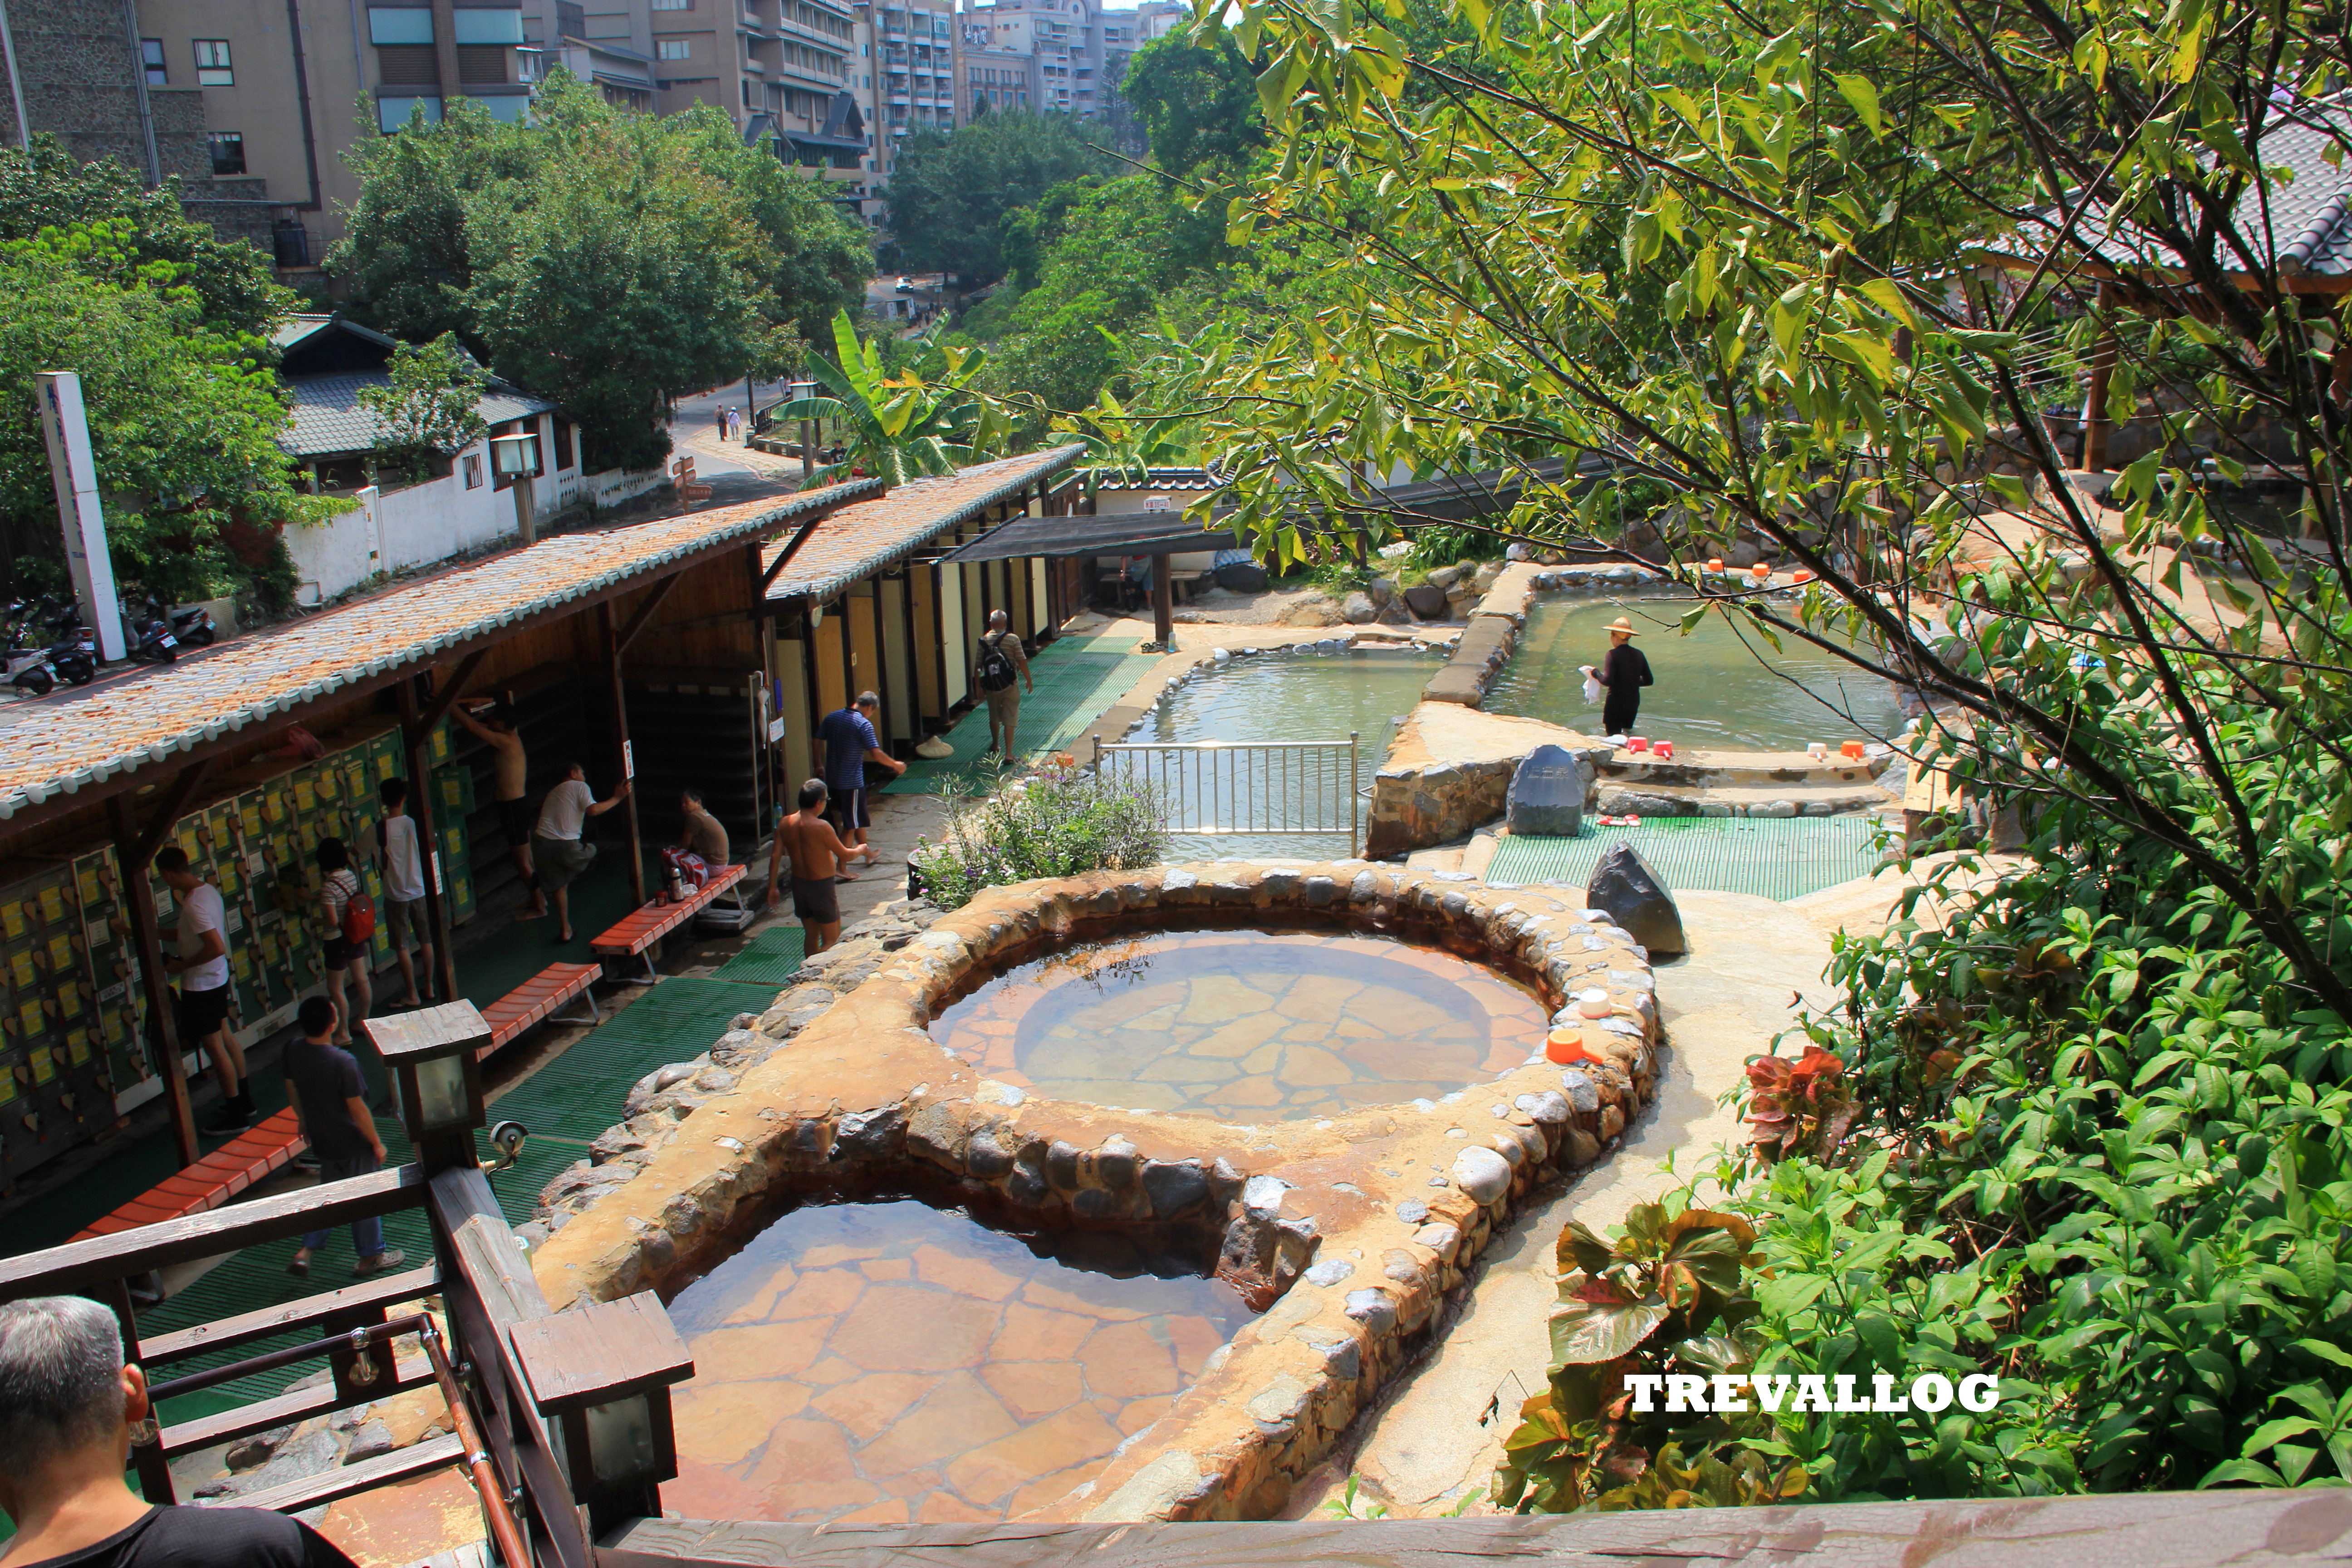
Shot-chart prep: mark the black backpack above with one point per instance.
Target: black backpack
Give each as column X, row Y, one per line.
column 995, row 669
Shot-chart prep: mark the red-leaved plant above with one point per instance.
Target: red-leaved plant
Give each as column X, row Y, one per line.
column 1799, row 1105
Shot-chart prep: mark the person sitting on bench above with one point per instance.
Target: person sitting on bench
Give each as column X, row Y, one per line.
column 68, row 1408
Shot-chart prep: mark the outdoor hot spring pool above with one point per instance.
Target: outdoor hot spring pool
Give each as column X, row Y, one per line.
column 1722, row 687
column 1245, row 1025
column 892, row 1364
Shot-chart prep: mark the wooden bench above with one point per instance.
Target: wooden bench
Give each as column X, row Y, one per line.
column 540, row 998
column 262, row 1151
column 641, row 930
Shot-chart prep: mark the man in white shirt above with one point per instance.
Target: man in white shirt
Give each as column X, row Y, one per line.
column 202, row 965
column 404, row 890
column 556, row 846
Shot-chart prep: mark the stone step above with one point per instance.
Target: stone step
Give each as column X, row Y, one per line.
column 1829, row 799
column 1449, row 859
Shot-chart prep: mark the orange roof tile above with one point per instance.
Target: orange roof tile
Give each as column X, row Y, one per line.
column 859, row 540
column 63, row 745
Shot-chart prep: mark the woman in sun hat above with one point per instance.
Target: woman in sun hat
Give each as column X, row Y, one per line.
column 1623, row 673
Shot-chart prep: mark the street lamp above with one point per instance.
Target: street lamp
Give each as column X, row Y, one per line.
column 434, row 1056
column 516, row 457
column 602, row 1374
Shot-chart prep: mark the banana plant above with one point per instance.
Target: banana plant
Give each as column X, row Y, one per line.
column 900, row 426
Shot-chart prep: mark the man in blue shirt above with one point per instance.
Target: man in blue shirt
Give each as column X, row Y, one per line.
column 850, row 744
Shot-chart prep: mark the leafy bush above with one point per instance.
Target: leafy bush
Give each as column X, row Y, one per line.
column 1667, row 1297
column 1059, row 823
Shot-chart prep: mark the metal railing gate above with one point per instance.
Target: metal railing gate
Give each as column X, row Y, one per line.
column 1248, row 789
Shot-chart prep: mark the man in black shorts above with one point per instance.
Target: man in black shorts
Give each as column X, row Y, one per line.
column 817, row 852
column 850, row 742
column 67, row 1405
column 511, row 788
column 202, row 965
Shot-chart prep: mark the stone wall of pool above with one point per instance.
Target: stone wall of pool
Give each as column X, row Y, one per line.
column 1352, row 1230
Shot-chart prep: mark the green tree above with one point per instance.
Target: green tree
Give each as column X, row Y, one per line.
column 950, row 192
column 43, row 187
column 432, row 409
column 900, row 426
column 606, row 260
column 1198, row 101
column 184, row 420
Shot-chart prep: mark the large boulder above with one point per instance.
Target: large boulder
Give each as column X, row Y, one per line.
column 1358, row 609
column 1316, row 610
column 1442, row 578
column 1547, row 798
column 1242, row 577
column 1488, row 575
column 1636, row 899
column 1427, row 600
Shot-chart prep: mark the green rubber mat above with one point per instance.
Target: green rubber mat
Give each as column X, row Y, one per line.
column 1073, row 689
column 767, row 959
column 1773, row 857
column 579, row 1094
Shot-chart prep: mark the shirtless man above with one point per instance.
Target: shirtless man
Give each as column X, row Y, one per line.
column 511, row 781
column 817, row 852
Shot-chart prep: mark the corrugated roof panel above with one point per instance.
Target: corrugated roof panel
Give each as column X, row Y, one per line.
column 860, row 540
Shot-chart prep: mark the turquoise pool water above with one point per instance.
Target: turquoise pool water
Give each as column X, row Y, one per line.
column 1723, row 685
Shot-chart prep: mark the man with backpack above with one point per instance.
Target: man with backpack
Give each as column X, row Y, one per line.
column 346, row 916
column 1001, row 659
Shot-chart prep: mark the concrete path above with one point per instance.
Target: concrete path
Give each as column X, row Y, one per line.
column 1440, row 1430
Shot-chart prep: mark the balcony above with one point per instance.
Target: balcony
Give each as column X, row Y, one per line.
column 899, row 100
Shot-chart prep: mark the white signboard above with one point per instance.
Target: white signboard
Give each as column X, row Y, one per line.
column 628, row 759
column 75, row 475
column 1158, row 503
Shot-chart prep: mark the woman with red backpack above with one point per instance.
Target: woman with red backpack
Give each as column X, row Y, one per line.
column 346, row 916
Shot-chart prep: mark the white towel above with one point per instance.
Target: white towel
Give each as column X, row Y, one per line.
column 1592, row 692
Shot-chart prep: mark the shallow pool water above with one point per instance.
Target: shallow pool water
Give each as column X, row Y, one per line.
column 1245, row 1025
column 1285, row 696
column 1721, row 686
column 890, row 1362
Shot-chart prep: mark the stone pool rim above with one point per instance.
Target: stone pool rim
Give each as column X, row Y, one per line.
column 1363, row 1222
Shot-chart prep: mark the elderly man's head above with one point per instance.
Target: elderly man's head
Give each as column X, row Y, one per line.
column 997, row 621
column 64, row 1390
column 868, row 703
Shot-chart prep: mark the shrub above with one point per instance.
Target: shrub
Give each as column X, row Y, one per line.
column 1059, row 823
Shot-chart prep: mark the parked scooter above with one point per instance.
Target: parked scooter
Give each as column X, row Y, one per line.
column 194, row 626
column 152, row 641
column 26, row 668
column 74, row 653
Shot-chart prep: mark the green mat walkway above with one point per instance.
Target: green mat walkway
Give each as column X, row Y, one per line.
column 565, row 1103
column 1774, row 858
column 1076, row 678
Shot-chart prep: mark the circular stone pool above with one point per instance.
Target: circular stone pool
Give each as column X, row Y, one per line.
column 1245, row 1025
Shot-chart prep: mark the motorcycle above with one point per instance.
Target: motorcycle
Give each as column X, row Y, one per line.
column 152, row 641
column 74, row 656
column 194, row 626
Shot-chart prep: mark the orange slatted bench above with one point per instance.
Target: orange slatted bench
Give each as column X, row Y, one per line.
column 637, row 932
column 538, row 999
column 257, row 1152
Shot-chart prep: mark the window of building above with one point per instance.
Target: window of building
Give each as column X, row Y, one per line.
column 212, row 68
column 407, row 65
column 481, row 25
column 400, row 25
column 746, row 84
column 393, row 112
column 150, row 55
column 482, row 65
column 473, row 471
column 228, row 152
column 673, row 5
column 674, row 48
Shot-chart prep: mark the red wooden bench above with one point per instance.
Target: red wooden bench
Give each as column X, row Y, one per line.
column 264, row 1150
column 538, row 999
column 640, row 930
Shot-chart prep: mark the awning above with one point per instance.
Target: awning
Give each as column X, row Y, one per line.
column 818, row 139
column 1120, row 534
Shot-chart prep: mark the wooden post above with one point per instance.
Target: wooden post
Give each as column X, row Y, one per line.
column 2096, row 425
column 416, row 748
column 622, row 756
column 848, row 650
column 1163, row 602
column 147, row 948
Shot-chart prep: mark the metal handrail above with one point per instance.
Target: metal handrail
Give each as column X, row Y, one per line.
column 1250, row 789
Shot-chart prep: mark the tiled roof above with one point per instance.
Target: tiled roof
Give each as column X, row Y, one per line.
column 66, row 745
column 1156, row 480
column 860, row 540
column 2298, row 223
column 327, row 416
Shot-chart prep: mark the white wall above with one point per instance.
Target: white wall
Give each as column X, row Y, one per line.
column 425, row 524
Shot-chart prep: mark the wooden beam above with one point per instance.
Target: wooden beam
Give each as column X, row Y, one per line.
column 452, row 689
column 60, row 1270
column 2096, row 425
column 1163, row 602
column 147, row 949
column 172, row 805
column 799, row 537
column 416, row 748
column 227, row 1333
column 621, row 755
column 641, row 614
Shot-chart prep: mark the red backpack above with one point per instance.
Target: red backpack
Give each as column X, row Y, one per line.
column 358, row 914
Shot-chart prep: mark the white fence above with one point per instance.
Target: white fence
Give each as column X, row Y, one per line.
column 1248, row 789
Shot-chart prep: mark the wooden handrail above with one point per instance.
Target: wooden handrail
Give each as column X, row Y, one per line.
column 270, row 1321
column 78, row 1265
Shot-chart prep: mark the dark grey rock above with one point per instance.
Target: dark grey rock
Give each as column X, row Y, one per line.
column 1062, row 1166
column 984, row 1157
column 1547, row 797
column 1242, row 577
column 246, row 1453
column 1176, row 1187
column 1093, row 1203
column 1636, row 899
column 1427, row 601
column 370, row 1441
column 1115, row 1164
column 870, row 1134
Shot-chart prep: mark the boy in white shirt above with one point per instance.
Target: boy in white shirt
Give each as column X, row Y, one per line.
column 202, row 965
